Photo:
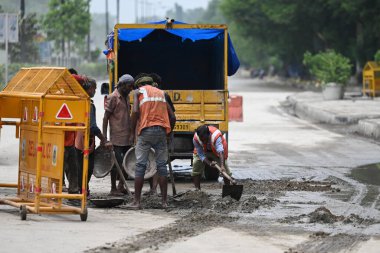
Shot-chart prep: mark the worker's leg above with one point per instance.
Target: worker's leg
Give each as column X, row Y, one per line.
column 198, row 169
column 142, row 151
column 161, row 155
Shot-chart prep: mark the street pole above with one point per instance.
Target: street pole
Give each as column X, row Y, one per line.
column 118, row 11
column 6, row 48
column 106, row 17
column 89, row 34
column 136, row 11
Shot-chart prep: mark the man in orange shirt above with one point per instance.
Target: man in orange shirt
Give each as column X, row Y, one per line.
column 156, row 122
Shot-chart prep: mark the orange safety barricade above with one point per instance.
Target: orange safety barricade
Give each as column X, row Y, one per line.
column 235, row 108
column 43, row 103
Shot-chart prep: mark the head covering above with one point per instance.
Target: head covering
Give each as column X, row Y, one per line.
column 144, row 80
column 79, row 79
column 127, row 79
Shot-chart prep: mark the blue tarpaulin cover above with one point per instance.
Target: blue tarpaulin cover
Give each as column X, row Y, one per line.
column 133, row 34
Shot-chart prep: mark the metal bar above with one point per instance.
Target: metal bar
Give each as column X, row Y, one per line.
column 39, row 159
column 67, row 209
column 86, row 153
column 10, row 123
column 69, row 128
column 6, row 48
column 6, row 185
column 21, row 95
column 60, row 196
column 62, row 97
column 116, row 60
column 226, row 78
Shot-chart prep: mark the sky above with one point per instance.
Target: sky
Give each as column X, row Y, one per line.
column 145, row 7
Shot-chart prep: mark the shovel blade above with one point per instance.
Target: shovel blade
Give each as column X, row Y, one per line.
column 235, row 191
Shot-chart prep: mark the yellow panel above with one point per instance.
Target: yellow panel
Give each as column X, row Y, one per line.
column 23, row 84
column 51, row 76
column 15, row 80
column 188, row 111
column 51, row 165
column 194, row 96
column 193, row 112
column 28, row 149
column 76, row 108
column 214, row 112
column 52, row 153
column 10, row 107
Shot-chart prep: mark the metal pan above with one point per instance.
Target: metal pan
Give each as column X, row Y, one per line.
column 103, row 162
column 107, row 203
column 129, row 164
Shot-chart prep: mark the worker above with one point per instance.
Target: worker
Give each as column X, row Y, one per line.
column 156, row 122
column 157, row 82
column 210, row 148
column 117, row 113
column 89, row 85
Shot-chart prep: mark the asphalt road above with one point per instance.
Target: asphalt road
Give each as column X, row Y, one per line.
column 268, row 145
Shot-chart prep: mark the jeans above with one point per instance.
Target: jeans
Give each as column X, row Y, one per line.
column 151, row 137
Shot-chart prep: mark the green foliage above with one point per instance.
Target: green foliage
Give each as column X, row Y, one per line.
column 28, row 52
column 13, row 68
column 377, row 56
column 328, row 67
column 68, row 21
column 287, row 29
column 95, row 70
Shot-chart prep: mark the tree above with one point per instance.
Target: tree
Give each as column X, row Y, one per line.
column 67, row 23
column 288, row 28
column 26, row 49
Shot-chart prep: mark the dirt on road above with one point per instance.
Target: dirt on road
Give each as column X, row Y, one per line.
column 199, row 211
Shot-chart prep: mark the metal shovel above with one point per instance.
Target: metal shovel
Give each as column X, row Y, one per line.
column 234, row 190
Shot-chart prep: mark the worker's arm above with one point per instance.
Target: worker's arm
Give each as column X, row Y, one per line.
column 106, row 117
column 199, row 149
column 135, row 112
column 220, row 150
column 172, row 117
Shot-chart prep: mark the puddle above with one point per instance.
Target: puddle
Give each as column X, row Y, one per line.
column 368, row 174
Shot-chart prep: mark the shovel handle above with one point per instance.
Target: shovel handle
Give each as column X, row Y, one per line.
column 122, row 178
column 225, row 174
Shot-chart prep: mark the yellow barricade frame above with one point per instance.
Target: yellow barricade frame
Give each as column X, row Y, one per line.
column 43, row 103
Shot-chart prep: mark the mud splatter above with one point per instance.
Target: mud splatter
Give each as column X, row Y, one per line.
column 190, row 225
column 325, row 216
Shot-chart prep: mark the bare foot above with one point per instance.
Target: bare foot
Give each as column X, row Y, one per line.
column 133, row 206
column 116, row 192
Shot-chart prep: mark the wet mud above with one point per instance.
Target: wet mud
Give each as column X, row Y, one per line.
column 202, row 210
column 323, row 215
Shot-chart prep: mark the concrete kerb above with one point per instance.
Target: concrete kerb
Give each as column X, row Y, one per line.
column 365, row 113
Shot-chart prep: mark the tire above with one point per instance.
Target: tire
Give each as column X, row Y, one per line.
column 23, row 212
column 83, row 216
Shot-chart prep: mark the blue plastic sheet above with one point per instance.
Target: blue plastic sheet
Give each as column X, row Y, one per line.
column 133, row 34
